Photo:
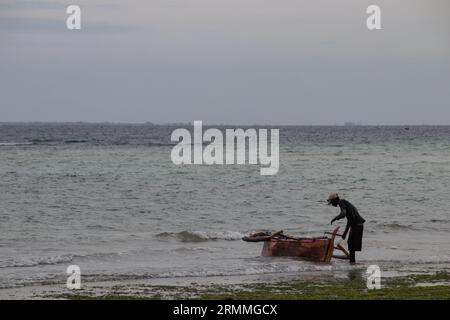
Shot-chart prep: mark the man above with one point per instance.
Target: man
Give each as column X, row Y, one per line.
column 354, row 222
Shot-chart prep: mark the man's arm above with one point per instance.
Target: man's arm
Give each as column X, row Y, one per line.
column 340, row 215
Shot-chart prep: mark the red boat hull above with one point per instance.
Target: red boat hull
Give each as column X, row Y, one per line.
column 310, row 249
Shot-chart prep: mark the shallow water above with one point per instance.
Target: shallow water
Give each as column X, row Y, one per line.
column 108, row 198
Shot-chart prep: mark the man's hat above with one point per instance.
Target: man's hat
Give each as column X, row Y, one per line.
column 332, row 196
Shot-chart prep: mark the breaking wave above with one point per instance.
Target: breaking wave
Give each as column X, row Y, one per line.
column 32, row 262
column 50, row 260
column 11, row 144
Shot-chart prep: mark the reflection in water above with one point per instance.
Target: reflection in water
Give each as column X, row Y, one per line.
column 356, row 274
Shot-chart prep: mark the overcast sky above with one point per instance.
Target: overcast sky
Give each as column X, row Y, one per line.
column 226, row 61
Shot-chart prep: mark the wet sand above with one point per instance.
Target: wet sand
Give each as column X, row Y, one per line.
column 313, row 286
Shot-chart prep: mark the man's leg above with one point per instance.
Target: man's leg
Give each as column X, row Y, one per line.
column 352, row 256
column 351, row 245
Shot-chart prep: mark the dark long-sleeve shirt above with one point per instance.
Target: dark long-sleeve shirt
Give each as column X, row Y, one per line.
column 350, row 212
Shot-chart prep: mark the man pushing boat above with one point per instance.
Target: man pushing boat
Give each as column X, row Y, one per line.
column 355, row 223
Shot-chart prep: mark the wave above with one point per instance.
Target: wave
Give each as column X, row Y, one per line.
column 438, row 220
column 68, row 141
column 51, row 260
column 32, row 262
column 401, row 226
column 266, row 266
column 9, row 144
column 282, row 266
column 264, row 269
column 397, row 226
column 199, row 236
column 102, row 227
column 160, row 144
column 201, row 273
column 41, row 141
column 75, row 141
column 242, row 272
column 431, row 224
column 191, row 249
column 53, row 141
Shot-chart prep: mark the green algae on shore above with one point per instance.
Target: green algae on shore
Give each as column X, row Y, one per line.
column 413, row 287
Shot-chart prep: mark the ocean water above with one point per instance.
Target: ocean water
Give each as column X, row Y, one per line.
column 107, row 197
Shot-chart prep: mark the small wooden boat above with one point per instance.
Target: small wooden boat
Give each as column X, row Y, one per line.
column 316, row 249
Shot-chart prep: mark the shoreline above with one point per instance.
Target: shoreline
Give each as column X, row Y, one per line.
column 414, row 287
column 434, row 286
